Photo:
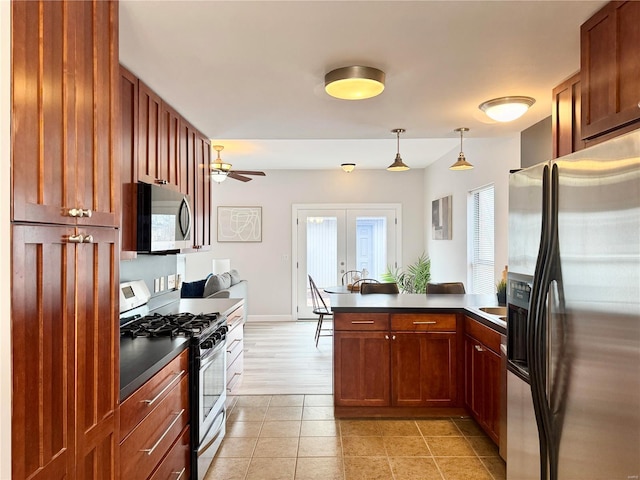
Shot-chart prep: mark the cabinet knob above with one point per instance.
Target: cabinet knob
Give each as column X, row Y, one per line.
column 479, row 348
column 161, row 181
column 386, row 337
column 79, row 212
column 393, row 337
column 75, row 239
column 88, row 239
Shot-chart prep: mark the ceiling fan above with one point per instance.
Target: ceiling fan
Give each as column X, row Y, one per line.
column 221, row 170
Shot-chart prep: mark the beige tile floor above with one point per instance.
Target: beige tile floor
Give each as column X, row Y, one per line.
column 291, row 437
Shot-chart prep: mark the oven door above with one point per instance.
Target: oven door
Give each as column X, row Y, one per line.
column 212, row 393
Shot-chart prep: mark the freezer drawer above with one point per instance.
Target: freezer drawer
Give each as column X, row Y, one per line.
column 522, row 432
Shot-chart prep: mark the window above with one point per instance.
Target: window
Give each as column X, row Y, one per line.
column 481, row 240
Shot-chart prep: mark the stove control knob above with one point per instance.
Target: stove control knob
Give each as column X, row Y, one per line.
column 224, row 329
column 206, row 344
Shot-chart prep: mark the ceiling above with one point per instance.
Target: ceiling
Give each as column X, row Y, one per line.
column 250, row 74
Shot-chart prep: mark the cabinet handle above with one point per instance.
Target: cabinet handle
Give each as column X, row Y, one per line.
column 230, row 347
column 425, row 323
column 161, row 181
column 180, row 473
column 386, row 337
column 229, row 383
column 479, row 348
column 149, row 451
column 87, row 239
column 154, row 399
column 79, row 212
column 393, row 337
column 75, row 239
column 363, row 322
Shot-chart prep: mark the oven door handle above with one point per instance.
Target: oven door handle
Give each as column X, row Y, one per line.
column 167, row 387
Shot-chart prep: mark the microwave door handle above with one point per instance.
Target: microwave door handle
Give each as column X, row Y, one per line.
column 184, row 207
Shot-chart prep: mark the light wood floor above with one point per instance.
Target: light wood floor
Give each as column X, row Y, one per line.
column 282, row 358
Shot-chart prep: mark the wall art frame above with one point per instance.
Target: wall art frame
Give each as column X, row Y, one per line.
column 441, row 218
column 239, row 224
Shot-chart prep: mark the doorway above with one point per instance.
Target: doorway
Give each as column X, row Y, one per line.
column 331, row 239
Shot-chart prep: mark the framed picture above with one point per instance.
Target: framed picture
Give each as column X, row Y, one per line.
column 441, row 227
column 239, row 224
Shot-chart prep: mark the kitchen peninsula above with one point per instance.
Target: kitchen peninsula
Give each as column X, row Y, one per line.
column 418, row 355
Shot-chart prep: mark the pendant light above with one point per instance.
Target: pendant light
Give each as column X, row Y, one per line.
column 398, row 165
column 461, row 163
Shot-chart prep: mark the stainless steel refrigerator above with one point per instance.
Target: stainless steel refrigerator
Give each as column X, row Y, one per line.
column 573, row 321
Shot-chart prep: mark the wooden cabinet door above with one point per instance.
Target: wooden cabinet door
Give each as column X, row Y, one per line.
column 202, row 213
column 566, row 117
column 361, row 369
column 472, row 377
column 169, row 164
column 65, row 90
column 149, row 130
column 43, row 372
column 610, row 68
column 423, row 369
column 97, row 347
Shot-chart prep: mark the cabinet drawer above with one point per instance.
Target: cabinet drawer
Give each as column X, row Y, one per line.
column 151, row 439
column 235, row 318
column 490, row 338
column 234, row 349
column 234, row 373
column 176, row 465
column 360, row 321
column 142, row 402
column 433, row 322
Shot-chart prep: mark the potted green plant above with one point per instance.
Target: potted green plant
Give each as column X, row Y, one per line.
column 414, row 279
column 501, row 292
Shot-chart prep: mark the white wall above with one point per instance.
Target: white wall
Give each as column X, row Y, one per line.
column 267, row 265
column 492, row 159
column 5, row 236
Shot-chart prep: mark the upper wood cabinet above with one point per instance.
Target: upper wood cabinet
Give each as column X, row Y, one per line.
column 128, row 162
column 566, row 117
column 202, row 212
column 610, row 68
column 64, row 115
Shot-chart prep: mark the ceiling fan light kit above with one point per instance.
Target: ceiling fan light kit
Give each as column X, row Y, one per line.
column 506, row 109
column 398, row 165
column 348, row 167
column 354, row 82
column 461, row 163
column 220, row 170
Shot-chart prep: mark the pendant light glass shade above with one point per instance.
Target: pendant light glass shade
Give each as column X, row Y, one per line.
column 218, row 169
column 348, row 167
column 461, row 163
column 398, row 165
column 354, row 83
column 506, row 109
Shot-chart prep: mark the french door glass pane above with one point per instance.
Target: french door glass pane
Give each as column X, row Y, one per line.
column 371, row 246
column 322, row 252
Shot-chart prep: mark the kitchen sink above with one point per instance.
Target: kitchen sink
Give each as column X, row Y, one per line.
column 501, row 311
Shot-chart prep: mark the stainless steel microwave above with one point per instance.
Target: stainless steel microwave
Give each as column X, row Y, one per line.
column 164, row 219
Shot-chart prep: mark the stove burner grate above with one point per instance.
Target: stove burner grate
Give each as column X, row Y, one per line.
column 171, row 325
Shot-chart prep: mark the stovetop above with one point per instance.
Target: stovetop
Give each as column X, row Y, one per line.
column 170, row 325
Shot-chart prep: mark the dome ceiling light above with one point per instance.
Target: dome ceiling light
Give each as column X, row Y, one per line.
column 506, row 109
column 461, row 163
column 398, row 165
column 354, row 83
column 348, row 167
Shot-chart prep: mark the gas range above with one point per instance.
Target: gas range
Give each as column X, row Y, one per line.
column 182, row 324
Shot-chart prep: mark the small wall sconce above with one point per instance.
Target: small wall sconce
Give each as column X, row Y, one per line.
column 348, row 167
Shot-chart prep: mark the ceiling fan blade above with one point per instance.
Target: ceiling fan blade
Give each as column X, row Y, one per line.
column 250, row 172
column 235, row 176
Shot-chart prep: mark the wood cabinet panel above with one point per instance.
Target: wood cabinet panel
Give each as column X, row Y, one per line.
column 149, row 129
column 424, row 322
column 424, row 369
column 485, row 335
column 610, row 67
column 63, row 137
column 202, row 211
column 361, row 369
column 169, row 164
column 141, row 402
column 176, row 465
column 566, row 117
column 151, row 439
column 360, row 321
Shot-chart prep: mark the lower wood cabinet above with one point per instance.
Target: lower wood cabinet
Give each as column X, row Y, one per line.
column 404, row 360
column 154, row 429
column 482, row 376
column 235, row 349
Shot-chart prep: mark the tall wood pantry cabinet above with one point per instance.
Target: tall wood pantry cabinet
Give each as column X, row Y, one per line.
column 65, row 211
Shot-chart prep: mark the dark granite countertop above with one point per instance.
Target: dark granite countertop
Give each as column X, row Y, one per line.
column 468, row 303
column 141, row 358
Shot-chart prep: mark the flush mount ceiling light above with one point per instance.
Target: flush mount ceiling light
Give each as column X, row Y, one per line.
column 506, row 109
column 348, row 167
column 398, row 165
column 354, row 83
column 461, row 163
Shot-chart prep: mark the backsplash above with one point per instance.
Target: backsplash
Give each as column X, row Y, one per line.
column 151, row 268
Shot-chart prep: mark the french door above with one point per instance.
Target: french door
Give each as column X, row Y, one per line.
column 329, row 240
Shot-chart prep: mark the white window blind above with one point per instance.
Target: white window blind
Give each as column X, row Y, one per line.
column 482, row 241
